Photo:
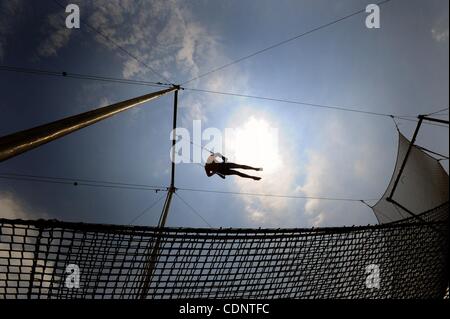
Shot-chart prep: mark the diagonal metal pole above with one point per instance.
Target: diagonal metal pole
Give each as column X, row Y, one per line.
column 153, row 257
column 23, row 141
column 432, row 119
column 432, row 152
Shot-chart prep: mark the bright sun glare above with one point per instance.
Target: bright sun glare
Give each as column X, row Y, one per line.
column 255, row 143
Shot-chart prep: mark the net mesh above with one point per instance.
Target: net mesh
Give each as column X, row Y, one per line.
column 129, row 262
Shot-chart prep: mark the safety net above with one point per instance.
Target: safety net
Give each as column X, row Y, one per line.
column 49, row 259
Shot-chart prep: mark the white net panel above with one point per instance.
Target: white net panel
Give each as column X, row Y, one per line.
column 423, row 185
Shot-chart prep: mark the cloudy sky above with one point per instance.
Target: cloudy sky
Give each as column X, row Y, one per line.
column 401, row 68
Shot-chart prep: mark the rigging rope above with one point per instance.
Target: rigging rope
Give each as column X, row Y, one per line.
column 274, row 195
column 146, row 210
column 193, row 210
column 395, row 123
column 107, row 38
column 323, row 26
column 439, row 111
column 80, row 76
column 411, row 118
column 80, row 182
column 94, row 183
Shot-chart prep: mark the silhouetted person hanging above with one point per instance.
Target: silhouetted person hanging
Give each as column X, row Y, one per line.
column 224, row 168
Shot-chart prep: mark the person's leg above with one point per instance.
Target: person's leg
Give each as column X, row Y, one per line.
column 239, row 166
column 233, row 172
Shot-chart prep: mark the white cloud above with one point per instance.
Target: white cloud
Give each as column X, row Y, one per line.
column 104, row 101
column 12, row 207
column 440, row 35
column 343, row 165
column 131, row 68
column 439, row 32
column 256, row 143
column 58, row 37
column 165, row 36
column 156, row 33
column 332, row 161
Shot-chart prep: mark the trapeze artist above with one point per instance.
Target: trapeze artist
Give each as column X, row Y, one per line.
column 225, row 168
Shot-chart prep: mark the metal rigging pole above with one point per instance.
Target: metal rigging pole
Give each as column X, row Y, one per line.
column 23, row 141
column 153, row 257
column 171, row 190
